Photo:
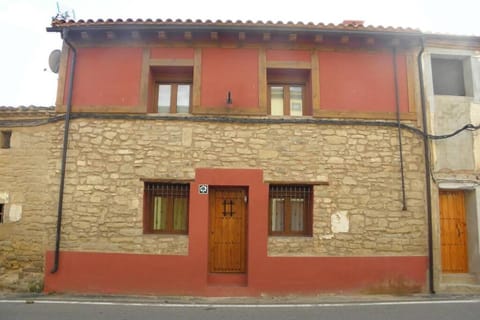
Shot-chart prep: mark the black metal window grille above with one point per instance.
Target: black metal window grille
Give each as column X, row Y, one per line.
column 166, row 207
column 291, row 209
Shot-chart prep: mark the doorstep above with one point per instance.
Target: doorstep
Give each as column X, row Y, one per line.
column 459, row 283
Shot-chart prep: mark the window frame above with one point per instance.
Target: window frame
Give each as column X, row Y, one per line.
column 307, row 210
column 169, row 75
column 286, row 97
column 149, row 202
column 287, row 78
column 173, row 95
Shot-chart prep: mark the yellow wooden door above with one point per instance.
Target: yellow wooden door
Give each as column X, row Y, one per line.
column 227, row 247
column 453, row 232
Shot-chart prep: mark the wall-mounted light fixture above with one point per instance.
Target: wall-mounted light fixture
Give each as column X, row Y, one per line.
column 229, row 99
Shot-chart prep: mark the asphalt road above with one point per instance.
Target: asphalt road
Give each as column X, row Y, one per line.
column 422, row 309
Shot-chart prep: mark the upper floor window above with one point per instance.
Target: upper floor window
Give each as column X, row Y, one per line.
column 172, row 91
column 451, row 76
column 173, row 97
column 291, row 210
column 288, row 92
column 286, row 100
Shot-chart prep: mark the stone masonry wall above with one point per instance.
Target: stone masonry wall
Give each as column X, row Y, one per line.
column 359, row 212
column 29, row 205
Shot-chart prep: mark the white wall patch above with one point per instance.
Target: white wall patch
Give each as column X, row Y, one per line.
column 15, row 213
column 340, row 222
column 3, row 197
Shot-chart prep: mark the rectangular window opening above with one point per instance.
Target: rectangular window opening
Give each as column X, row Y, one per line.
column 1, row 212
column 289, row 92
column 5, row 138
column 173, row 97
column 276, row 100
column 291, row 209
column 296, row 100
column 183, row 98
column 164, row 98
column 172, row 90
column 166, row 207
column 451, row 76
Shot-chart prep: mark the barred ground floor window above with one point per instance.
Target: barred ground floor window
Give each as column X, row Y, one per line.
column 166, row 207
column 290, row 210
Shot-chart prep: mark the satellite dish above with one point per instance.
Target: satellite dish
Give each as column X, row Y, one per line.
column 54, row 60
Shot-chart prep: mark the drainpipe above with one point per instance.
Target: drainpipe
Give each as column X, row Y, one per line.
column 399, row 128
column 426, row 146
column 64, row 153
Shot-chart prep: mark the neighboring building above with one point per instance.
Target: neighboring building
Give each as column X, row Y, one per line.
column 452, row 91
column 221, row 158
column 28, row 190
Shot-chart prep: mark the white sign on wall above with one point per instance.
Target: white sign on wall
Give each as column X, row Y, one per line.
column 203, row 189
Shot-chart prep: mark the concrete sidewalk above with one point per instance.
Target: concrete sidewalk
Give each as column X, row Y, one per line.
column 262, row 300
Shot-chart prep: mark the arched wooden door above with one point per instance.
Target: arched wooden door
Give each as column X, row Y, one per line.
column 453, row 231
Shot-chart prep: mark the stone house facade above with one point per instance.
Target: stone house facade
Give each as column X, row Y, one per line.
column 452, row 97
column 26, row 201
column 220, row 158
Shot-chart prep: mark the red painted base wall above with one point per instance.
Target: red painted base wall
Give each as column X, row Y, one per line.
column 120, row 273
column 86, row 272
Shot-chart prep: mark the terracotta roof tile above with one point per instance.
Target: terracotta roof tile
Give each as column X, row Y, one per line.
column 26, row 109
column 59, row 24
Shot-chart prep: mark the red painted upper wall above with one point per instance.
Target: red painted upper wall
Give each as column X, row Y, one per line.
column 171, row 53
column 234, row 70
column 356, row 81
column 361, row 81
column 107, row 77
column 289, row 55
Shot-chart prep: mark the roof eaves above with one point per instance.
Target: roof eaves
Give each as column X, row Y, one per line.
column 209, row 25
column 25, row 109
column 447, row 36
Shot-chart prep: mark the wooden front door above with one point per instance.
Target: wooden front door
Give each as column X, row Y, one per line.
column 227, row 243
column 453, row 232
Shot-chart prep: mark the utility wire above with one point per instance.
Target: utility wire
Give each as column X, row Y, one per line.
column 469, row 127
column 230, row 119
